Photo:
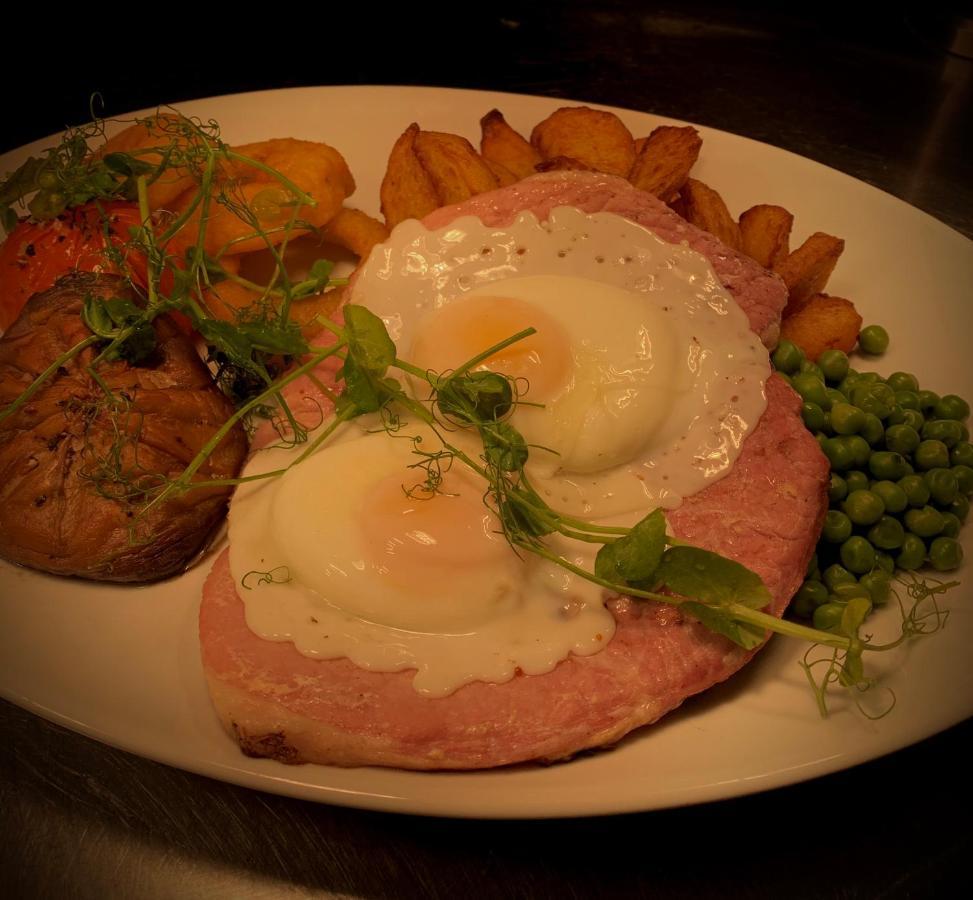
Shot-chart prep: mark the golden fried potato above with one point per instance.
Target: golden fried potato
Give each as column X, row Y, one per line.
column 766, row 231
column 504, row 176
column 597, row 139
column 664, row 160
column 705, row 209
column 455, row 168
column 806, row 271
column 355, row 231
column 823, row 323
column 501, row 146
column 407, row 191
column 244, row 192
column 563, row 164
column 147, row 140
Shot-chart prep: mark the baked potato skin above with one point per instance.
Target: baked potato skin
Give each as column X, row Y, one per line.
column 72, row 463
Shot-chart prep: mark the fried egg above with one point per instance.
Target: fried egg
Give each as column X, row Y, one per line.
column 637, row 389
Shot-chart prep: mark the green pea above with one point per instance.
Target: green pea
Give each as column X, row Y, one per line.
column 870, row 378
column 835, row 575
column 948, row 431
column 903, row 381
column 856, row 480
column 943, row 485
column 928, row 400
column 964, row 433
column 857, row 555
column 873, row 339
column 810, row 368
column 873, row 430
column 787, row 357
column 860, row 450
column 846, row 419
column 911, row 417
column 916, row 489
column 907, row 400
column 863, row 507
column 913, row 553
column 844, row 592
column 835, row 396
column 828, row 616
column 945, row 554
column 878, row 399
column 885, row 563
column 886, row 534
column 950, row 406
column 951, row 526
column 837, row 527
column 838, row 489
column 886, row 464
column 964, row 479
column 815, row 591
column 786, row 379
column 925, row 522
column 811, row 389
column 892, row 496
column 960, row 508
column 901, row 438
column 803, row 604
column 848, row 382
column 878, row 587
column 834, row 364
column 822, row 438
column 813, row 416
column 931, row 455
column 962, row 454
column 812, row 566
column 839, row 453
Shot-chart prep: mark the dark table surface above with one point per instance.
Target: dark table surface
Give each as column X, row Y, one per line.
column 884, row 97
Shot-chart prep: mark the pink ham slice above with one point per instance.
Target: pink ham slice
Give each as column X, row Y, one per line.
column 766, row 513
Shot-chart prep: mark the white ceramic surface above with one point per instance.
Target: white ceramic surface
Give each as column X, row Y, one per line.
column 121, row 664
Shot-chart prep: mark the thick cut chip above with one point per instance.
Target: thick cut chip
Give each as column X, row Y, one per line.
column 823, row 323
column 407, row 191
column 766, row 232
column 501, row 146
column 600, row 140
column 705, row 209
column 456, row 170
column 504, row 176
column 355, row 231
column 664, row 160
column 806, row 271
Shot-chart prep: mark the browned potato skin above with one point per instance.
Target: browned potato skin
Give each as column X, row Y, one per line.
column 563, row 164
column 597, row 139
column 501, row 146
column 456, row 170
column 407, row 191
column 705, row 209
column 821, row 324
column 664, row 160
column 766, row 231
column 504, row 176
column 806, row 271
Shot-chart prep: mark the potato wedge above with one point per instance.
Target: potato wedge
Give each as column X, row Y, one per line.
column 823, row 323
column 664, row 160
column 407, row 191
column 597, row 139
column 501, row 146
column 563, row 164
column 806, row 271
column 503, row 176
column 456, row 170
column 705, row 209
column 355, row 231
column 766, row 231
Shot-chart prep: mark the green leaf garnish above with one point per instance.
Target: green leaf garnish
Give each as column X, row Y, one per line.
column 712, row 578
column 634, row 558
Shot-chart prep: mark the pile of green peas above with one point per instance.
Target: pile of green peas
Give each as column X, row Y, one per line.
column 901, row 478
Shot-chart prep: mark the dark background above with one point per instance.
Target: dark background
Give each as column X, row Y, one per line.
column 883, row 95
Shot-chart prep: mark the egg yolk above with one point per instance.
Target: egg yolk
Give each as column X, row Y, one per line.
column 460, row 331
column 407, row 537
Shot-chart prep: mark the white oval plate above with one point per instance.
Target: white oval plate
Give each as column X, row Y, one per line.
column 121, row 664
